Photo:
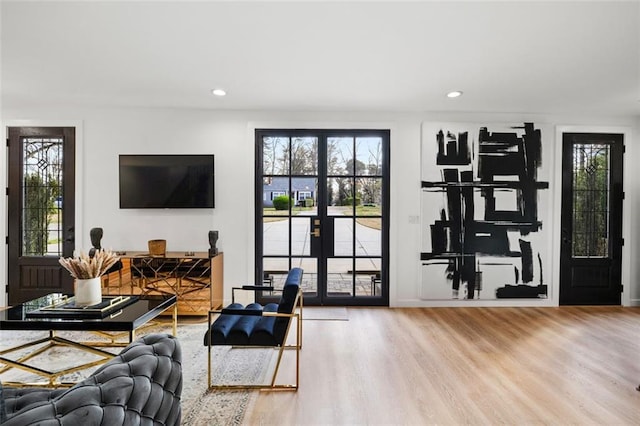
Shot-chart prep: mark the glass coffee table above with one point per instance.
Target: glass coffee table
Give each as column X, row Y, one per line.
column 114, row 319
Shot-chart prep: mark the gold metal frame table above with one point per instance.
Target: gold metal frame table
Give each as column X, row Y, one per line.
column 127, row 320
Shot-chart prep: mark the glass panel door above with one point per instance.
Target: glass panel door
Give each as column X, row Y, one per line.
column 41, row 210
column 321, row 204
column 591, row 220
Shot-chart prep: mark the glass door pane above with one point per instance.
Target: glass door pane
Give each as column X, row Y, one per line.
column 590, row 222
column 42, row 195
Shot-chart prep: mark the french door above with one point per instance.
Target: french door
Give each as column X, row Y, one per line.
column 591, row 222
column 41, row 210
column 322, row 203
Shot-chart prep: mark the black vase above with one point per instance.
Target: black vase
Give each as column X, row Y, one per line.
column 213, row 240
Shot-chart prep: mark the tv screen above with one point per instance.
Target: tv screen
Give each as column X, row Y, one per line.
column 166, row 181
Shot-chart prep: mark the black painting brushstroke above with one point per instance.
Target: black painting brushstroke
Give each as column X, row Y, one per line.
column 527, row 261
column 500, row 155
column 468, row 263
column 540, row 263
column 438, row 237
column 521, row 291
column 454, row 206
column 439, row 241
column 454, row 151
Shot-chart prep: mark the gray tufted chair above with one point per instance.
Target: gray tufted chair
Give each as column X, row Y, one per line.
column 140, row 386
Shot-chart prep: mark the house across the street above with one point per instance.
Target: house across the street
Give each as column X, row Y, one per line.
column 301, row 189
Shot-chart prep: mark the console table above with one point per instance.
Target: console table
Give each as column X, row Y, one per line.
column 193, row 277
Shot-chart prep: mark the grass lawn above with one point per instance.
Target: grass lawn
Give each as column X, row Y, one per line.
column 273, row 212
column 370, row 222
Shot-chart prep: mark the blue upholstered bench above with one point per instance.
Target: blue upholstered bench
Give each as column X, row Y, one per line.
column 255, row 325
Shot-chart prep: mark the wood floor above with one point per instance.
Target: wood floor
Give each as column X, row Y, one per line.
column 556, row 366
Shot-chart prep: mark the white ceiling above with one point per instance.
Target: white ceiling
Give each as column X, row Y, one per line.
column 530, row 57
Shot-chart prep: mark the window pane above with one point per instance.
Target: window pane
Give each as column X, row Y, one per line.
column 305, row 195
column 340, row 156
column 275, row 271
column 369, row 192
column 275, row 236
column 304, row 156
column 343, row 237
column 274, row 196
column 300, row 236
column 339, row 277
column 340, row 196
column 368, row 236
column 275, row 156
column 369, row 156
column 368, row 277
column 310, row 275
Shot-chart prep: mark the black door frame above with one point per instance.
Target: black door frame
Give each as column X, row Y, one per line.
column 569, row 294
column 45, row 274
column 322, row 244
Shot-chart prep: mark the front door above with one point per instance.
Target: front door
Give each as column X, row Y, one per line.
column 591, row 224
column 41, row 199
column 322, row 205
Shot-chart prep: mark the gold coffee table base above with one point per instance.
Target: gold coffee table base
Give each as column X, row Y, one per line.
column 113, row 338
column 51, row 376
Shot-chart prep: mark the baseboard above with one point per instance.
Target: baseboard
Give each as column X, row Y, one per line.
column 419, row 303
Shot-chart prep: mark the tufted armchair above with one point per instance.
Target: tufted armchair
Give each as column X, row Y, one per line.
column 140, row 386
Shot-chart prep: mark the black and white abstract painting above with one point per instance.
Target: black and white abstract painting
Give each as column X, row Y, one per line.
column 485, row 200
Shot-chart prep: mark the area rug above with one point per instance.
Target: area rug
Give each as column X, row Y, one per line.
column 200, row 406
column 325, row 313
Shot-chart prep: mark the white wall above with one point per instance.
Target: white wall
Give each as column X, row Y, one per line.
column 105, row 133
column 632, row 209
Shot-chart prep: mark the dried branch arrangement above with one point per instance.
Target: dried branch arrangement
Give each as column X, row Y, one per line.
column 84, row 267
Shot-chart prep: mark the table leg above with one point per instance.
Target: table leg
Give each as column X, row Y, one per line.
column 175, row 319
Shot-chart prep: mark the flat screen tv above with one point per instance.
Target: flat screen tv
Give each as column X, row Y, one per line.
column 166, row 181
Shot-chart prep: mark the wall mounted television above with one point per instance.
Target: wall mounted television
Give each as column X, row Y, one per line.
column 166, row 181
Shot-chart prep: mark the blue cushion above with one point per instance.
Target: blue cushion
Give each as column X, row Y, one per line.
column 262, row 334
column 243, row 327
column 222, row 326
column 257, row 330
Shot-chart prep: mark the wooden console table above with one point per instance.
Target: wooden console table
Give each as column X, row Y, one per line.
column 193, row 277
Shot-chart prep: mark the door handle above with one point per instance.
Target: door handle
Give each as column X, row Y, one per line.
column 316, row 232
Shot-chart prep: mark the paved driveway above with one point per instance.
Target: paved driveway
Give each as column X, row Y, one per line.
column 276, row 237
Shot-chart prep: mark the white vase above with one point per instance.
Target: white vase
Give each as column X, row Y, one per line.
column 88, row 291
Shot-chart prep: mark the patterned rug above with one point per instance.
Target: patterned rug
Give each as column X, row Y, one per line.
column 200, row 406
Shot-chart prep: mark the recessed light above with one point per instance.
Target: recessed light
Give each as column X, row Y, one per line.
column 219, row 92
column 454, row 94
